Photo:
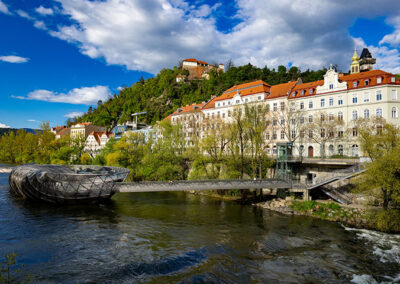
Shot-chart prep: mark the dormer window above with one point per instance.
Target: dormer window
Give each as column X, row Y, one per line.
column 330, row 86
column 366, row 82
column 379, row 80
column 293, row 94
column 393, row 79
column 259, row 98
column 355, row 84
column 310, row 91
column 302, row 92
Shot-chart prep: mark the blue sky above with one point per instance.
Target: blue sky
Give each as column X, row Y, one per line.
column 58, row 57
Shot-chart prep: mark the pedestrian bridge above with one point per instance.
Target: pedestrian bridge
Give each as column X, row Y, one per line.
column 196, row 185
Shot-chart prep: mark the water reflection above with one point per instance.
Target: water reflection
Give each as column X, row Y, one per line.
column 182, row 238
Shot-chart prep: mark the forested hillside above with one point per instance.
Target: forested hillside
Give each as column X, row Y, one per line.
column 161, row 95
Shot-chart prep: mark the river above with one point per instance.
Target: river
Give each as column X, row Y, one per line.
column 184, row 238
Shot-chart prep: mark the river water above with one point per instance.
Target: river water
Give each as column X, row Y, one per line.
column 183, row 238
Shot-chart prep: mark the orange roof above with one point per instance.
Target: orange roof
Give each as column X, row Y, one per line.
column 168, row 117
column 281, row 90
column 63, row 131
column 195, row 60
column 189, row 108
column 305, row 88
column 97, row 135
column 210, row 103
column 246, row 89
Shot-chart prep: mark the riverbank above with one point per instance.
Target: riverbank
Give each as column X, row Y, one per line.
column 351, row 216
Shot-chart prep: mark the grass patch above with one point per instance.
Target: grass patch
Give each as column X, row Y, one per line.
column 330, row 210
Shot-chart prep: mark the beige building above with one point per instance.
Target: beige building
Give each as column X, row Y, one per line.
column 84, row 129
column 96, row 141
column 317, row 117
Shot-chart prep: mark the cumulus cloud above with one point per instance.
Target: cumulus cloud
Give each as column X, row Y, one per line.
column 155, row 34
column 4, row 9
column 13, row 59
column 73, row 114
column 44, row 11
column 85, row 95
column 2, row 125
column 40, row 25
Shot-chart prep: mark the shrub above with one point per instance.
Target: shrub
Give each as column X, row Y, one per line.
column 386, row 220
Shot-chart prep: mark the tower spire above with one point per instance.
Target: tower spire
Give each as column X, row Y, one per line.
column 355, row 65
column 355, row 55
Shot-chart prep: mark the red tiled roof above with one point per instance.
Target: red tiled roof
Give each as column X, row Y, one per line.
column 189, row 108
column 246, row 89
column 210, row 103
column 63, row 131
column 305, row 87
column 281, row 90
column 195, row 60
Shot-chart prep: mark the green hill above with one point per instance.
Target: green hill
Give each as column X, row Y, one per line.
column 161, row 95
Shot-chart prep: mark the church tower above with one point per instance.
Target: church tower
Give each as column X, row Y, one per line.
column 355, row 65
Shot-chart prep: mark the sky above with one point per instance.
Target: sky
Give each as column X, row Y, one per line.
column 58, row 57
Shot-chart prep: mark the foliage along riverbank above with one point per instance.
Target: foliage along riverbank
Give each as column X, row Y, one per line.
column 387, row 221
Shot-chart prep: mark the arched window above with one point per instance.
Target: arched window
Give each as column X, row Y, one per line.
column 354, row 150
column 394, row 112
column 340, row 116
column 378, row 112
column 366, row 113
column 354, row 114
column 331, row 116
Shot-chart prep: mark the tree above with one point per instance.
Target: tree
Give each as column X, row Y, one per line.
column 380, row 141
column 324, row 128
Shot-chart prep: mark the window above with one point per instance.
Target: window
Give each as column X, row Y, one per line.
column 237, row 101
column 378, row 112
column 331, row 102
column 354, row 84
column 302, row 105
column 302, row 93
column 310, row 134
column 322, row 102
column 340, row 133
column 223, row 115
column 378, row 95
column 322, row 132
column 330, row 86
column 274, row 150
column 282, row 121
column 310, row 91
column 366, row 97
column 394, row 95
column 293, row 106
column 379, row 80
column 354, row 99
column 340, row 101
column 274, row 135
column 379, row 129
column 340, row 150
column 246, row 100
column 394, row 112
column 322, row 117
column 393, row 79
column 293, row 121
column 229, row 113
column 302, row 134
column 275, row 121
column 331, row 150
column 282, row 105
column 259, row 98
column 331, row 116
column 340, row 116
column 310, row 118
column 354, row 115
column 355, row 132
column 310, row 104
column 293, row 134
column 293, row 94
column 366, row 113
column 267, row 136
column 275, row 107
column 366, row 82
column 268, row 150
column 302, row 120
column 282, row 135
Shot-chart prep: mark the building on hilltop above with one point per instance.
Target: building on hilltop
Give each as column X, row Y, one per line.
column 197, row 69
column 318, row 118
column 83, row 129
column 363, row 63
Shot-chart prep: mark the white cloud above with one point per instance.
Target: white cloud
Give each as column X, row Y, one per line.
column 40, row 25
column 44, row 11
column 85, row 95
column 73, row 114
column 13, row 59
column 4, row 9
column 24, row 14
column 155, row 34
column 393, row 39
column 2, row 125
column 32, row 120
